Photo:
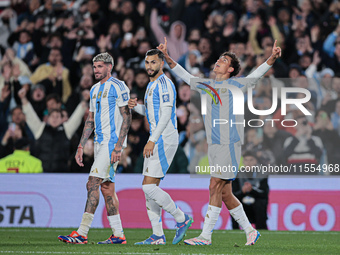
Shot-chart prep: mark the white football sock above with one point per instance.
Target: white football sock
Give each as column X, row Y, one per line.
column 241, row 218
column 116, row 225
column 85, row 224
column 209, row 221
column 155, row 216
column 164, row 200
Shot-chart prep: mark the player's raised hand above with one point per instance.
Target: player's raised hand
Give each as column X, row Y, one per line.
column 163, row 46
column 276, row 52
column 79, row 156
column 132, row 103
column 148, row 149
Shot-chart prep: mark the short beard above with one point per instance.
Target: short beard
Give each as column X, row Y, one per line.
column 101, row 77
column 154, row 73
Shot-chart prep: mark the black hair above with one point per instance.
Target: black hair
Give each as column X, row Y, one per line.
column 54, row 96
column 155, row 52
column 235, row 62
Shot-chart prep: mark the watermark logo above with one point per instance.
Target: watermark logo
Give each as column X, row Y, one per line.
column 209, row 93
column 237, row 93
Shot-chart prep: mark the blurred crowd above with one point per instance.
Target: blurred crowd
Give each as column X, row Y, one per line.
column 47, row 46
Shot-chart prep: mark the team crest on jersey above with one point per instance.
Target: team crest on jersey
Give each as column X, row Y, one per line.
column 94, row 96
column 100, row 94
column 125, row 96
column 150, row 92
column 223, row 90
column 166, row 98
column 105, row 93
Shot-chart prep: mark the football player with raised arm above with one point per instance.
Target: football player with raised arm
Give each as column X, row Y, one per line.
column 224, row 141
column 160, row 109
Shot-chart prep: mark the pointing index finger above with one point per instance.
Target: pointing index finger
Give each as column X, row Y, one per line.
column 275, row 44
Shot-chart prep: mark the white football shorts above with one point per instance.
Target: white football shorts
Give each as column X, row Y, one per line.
column 102, row 167
column 158, row 164
column 224, row 160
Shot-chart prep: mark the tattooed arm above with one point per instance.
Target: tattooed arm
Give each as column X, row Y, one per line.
column 87, row 131
column 126, row 113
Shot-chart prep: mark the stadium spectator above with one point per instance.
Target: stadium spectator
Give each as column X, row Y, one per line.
column 53, row 137
column 21, row 161
column 309, row 34
column 254, row 143
column 176, row 38
column 53, row 75
column 324, row 129
column 38, row 100
column 273, row 139
column 251, row 188
column 303, row 148
column 84, row 86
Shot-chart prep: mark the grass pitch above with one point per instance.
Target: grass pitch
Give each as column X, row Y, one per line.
column 44, row 241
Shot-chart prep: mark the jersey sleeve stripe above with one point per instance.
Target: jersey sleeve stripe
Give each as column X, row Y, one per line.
column 164, row 85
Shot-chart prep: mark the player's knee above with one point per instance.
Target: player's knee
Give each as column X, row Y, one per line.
column 149, row 189
column 216, row 186
column 226, row 196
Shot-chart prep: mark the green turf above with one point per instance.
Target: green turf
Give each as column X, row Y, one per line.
column 44, row 241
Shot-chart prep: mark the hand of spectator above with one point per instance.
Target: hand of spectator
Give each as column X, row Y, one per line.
column 81, row 54
column 16, row 71
column 132, row 103
column 5, row 92
column 257, row 21
column 7, row 13
column 68, row 23
column 22, row 26
column 58, row 23
column 314, row 33
column 22, row 95
column 72, row 34
column 271, row 21
column 79, row 156
column 316, row 58
column 39, row 23
column 120, row 64
column 89, row 34
column 163, row 47
column 308, row 44
column 7, row 73
column 148, row 149
column 86, row 95
column 59, row 71
column 247, row 187
column 326, row 99
column 116, row 154
column 9, row 133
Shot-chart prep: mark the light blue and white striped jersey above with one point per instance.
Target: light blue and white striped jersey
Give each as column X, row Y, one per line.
column 105, row 101
column 223, row 133
column 159, row 94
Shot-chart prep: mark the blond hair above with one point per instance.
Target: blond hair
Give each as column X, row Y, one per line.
column 105, row 57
